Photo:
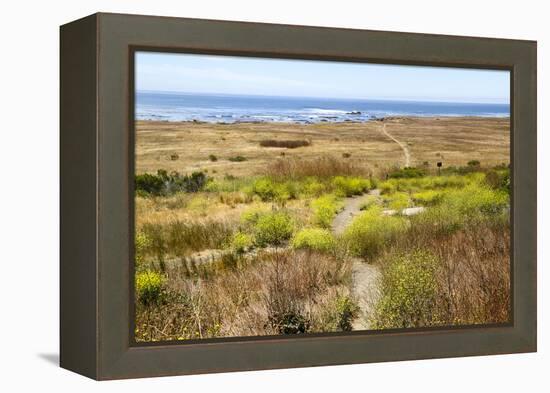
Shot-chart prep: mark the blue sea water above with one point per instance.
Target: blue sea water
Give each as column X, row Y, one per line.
column 244, row 108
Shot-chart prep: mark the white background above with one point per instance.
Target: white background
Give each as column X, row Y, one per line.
column 29, row 183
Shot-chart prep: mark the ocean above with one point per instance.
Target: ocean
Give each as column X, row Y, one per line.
column 214, row 108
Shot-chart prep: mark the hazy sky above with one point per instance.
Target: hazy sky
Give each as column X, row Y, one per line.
column 276, row 77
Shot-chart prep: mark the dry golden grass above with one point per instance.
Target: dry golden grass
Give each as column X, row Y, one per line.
column 201, row 206
column 259, row 292
column 475, row 275
column 322, row 167
column 470, row 282
column 453, row 140
column 184, row 207
column 281, row 292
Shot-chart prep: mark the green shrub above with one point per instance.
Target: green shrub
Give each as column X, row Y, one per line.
column 149, row 287
column 142, row 245
column 347, row 310
column 437, row 220
column 413, row 185
column 285, row 191
column 474, row 163
column 325, row 209
column 241, row 242
column 273, row 229
column 212, row 158
column 193, row 183
column 407, row 173
column 498, row 179
column 371, row 231
column 292, row 188
column 374, row 182
column 269, row 190
column 166, row 184
column 142, row 194
column 251, row 215
column 387, row 187
column 472, row 166
column 157, row 245
column 264, row 188
column 289, row 322
column 313, row 187
column 398, row 201
column 474, row 199
column 237, row 159
column 409, row 290
column 428, row 198
column 316, row 239
column 149, row 184
column 349, row 186
column 459, row 208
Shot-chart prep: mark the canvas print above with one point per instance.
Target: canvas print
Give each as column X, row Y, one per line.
column 295, row 197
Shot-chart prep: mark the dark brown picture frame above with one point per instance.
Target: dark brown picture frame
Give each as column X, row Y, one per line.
column 97, row 145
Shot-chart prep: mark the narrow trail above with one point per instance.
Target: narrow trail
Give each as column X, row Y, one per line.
column 352, row 207
column 365, row 277
column 402, row 145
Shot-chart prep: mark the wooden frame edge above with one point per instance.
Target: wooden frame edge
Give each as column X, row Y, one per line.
column 114, row 355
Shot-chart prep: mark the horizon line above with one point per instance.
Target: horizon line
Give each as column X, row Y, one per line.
column 443, row 100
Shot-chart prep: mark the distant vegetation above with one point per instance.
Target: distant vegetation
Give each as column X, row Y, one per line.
column 322, row 167
column 237, row 159
column 289, row 144
column 316, row 239
column 164, row 183
column 407, row 172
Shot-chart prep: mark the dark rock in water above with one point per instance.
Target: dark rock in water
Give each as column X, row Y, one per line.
column 354, row 113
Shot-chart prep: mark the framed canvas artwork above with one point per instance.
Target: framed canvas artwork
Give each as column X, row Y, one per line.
column 240, row 196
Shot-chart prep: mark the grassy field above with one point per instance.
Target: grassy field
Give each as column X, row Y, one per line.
column 235, row 226
column 188, row 147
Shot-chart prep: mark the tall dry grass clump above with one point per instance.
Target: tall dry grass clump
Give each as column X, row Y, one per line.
column 156, row 242
column 282, row 292
column 459, row 279
column 474, row 275
column 322, row 167
column 288, row 144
